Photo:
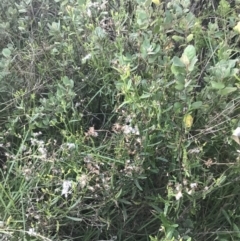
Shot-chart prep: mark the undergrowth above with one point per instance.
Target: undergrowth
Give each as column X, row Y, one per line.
column 116, row 120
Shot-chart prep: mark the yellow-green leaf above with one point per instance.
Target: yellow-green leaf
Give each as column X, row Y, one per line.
column 237, row 27
column 188, row 121
column 157, row 2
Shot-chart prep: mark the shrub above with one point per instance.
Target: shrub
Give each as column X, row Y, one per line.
column 117, row 120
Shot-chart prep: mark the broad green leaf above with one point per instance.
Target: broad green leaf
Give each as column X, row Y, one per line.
column 217, row 85
column 179, row 86
column 190, row 18
column 190, row 52
column 196, row 105
column 81, row 2
column 168, row 17
column 177, row 106
column 185, row 60
column 157, row 49
column 141, row 1
column 177, row 71
column 68, row 82
column 99, row 32
column 142, row 18
column 189, row 38
column 227, row 90
column 152, row 59
column 6, row 52
column 178, row 39
column 169, row 233
column 177, row 62
column 60, row 93
column 192, row 64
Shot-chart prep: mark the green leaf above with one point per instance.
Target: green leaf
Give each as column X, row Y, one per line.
column 190, row 52
column 129, row 84
column 237, row 231
column 141, row 1
column 177, row 70
column 74, row 218
column 227, row 90
column 123, row 200
column 237, row 27
column 177, row 62
column 177, row 106
column 142, row 18
column 225, row 214
column 192, row 64
column 145, row 96
column 118, row 194
column 220, row 180
column 178, row 39
column 179, row 86
column 81, row 2
column 137, row 184
column 68, row 82
column 217, row 85
column 196, row 105
column 6, row 52
column 162, row 159
column 189, row 38
column 60, row 92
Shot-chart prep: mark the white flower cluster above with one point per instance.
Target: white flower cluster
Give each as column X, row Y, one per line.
column 66, row 188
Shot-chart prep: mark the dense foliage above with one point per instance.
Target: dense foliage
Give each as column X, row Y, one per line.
column 116, row 120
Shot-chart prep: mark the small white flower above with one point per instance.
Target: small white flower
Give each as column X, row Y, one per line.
column 237, row 132
column 136, row 131
column 83, row 180
column 37, row 134
column 193, row 185
column 71, row 145
column 194, row 150
column 130, row 130
column 127, row 129
column 236, row 135
column 43, row 152
column 89, row 13
column 185, row 182
column 91, row 132
column 178, row 195
column 87, row 57
column 178, row 187
column 32, row 232
column 128, row 119
column 77, row 104
column 66, row 187
column 189, row 192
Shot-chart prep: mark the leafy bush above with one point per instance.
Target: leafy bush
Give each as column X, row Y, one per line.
column 117, row 119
